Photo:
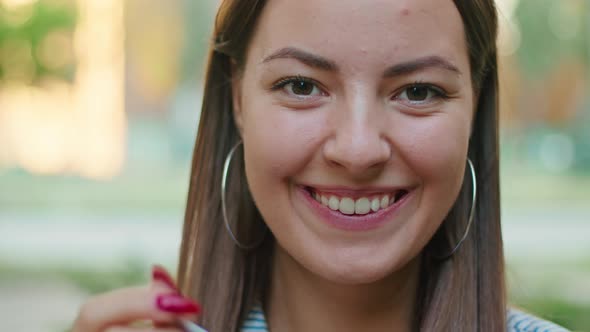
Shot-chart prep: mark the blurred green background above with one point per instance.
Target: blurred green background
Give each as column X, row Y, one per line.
column 99, row 105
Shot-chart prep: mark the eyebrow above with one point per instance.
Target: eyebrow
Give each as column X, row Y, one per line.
column 399, row 69
column 307, row 58
column 420, row 64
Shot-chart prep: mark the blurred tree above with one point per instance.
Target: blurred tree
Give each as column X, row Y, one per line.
column 155, row 36
column 552, row 101
column 199, row 17
column 36, row 40
column 166, row 45
column 551, row 30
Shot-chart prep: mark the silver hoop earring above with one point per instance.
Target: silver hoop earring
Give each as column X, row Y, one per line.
column 471, row 213
column 223, row 205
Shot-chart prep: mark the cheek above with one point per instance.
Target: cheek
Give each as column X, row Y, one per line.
column 279, row 143
column 435, row 149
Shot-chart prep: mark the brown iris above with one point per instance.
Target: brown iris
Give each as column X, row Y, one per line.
column 302, row 88
column 417, row 93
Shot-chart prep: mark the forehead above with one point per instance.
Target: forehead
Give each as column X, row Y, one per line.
column 356, row 33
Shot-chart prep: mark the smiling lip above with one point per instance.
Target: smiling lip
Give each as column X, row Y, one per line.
column 352, row 222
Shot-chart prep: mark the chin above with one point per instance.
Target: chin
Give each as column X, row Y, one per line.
column 353, row 277
column 358, row 270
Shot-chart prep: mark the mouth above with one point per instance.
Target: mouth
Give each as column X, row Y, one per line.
column 355, row 210
column 357, row 204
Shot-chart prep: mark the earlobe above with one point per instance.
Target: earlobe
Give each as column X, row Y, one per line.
column 236, row 90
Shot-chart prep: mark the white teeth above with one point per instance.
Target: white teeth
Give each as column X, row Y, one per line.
column 334, row 203
column 346, row 205
column 375, row 204
column 362, row 206
column 384, row 202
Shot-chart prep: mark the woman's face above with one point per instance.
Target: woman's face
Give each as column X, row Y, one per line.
column 355, row 118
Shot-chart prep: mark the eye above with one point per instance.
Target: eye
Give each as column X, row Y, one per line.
column 420, row 93
column 302, row 88
column 298, row 86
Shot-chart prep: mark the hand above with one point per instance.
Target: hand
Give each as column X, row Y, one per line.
column 155, row 307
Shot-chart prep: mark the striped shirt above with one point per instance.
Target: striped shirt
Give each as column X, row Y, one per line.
column 517, row 321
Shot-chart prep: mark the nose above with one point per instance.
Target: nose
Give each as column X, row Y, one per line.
column 358, row 143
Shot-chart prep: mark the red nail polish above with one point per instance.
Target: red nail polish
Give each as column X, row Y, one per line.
column 177, row 304
column 160, row 274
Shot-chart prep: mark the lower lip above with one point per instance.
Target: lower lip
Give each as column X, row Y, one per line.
column 353, row 222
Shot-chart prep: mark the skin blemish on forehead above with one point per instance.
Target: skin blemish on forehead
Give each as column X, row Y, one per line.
column 405, row 12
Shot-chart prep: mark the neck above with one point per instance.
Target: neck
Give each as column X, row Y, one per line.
column 302, row 301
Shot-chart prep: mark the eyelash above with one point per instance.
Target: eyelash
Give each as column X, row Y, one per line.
column 439, row 92
column 293, row 79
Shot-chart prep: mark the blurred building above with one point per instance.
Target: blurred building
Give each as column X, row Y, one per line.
column 73, row 72
column 62, row 98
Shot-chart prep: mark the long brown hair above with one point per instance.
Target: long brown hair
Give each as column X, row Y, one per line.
column 463, row 293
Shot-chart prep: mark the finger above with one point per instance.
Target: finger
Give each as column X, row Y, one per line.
column 162, row 280
column 163, row 283
column 120, row 307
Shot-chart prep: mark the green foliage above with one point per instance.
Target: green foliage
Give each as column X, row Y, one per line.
column 199, row 20
column 540, row 46
column 31, row 24
column 154, row 192
column 134, row 272
column 570, row 315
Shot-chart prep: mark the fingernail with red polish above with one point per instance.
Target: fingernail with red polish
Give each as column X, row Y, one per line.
column 160, row 274
column 177, row 304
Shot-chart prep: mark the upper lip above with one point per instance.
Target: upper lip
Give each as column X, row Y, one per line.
column 356, row 192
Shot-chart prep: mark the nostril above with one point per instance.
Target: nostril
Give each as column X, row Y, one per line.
column 357, row 153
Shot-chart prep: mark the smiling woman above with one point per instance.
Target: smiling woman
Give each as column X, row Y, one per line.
column 350, row 149
column 341, row 107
